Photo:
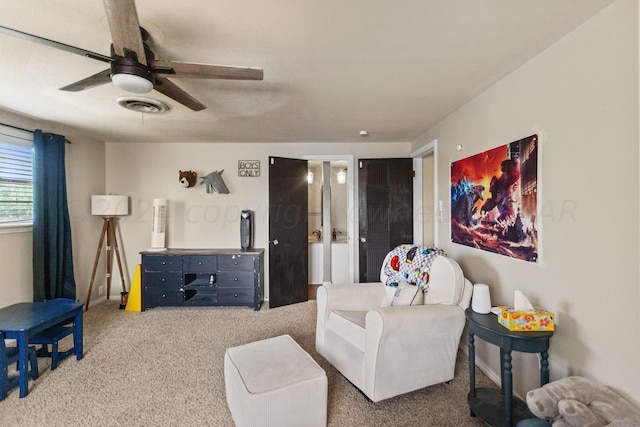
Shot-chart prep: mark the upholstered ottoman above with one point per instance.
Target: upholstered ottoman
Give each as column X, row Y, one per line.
column 274, row 382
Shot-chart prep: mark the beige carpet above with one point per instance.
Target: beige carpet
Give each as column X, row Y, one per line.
column 164, row 367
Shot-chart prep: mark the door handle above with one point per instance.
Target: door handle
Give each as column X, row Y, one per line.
column 363, row 239
column 275, row 242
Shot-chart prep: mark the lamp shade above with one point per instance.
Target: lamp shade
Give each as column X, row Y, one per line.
column 109, row 205
column 481, row 300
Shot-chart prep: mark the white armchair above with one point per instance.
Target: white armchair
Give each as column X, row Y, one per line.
column 385, row 349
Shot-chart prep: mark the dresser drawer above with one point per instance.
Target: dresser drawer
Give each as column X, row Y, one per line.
column 199, row 263
column 162, row 263
column 161, row 279
column 235, row 279
column 237, row 296
column 236, row 262
column 157, row 297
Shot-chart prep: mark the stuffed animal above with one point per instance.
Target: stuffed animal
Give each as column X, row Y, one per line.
column 578, row 401
column 188, row 178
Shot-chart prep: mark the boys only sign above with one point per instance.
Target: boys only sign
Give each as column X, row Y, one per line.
column 249, row 168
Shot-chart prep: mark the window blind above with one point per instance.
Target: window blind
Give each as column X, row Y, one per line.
column 16, row 179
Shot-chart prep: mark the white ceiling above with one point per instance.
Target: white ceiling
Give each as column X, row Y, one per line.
column 331, row 68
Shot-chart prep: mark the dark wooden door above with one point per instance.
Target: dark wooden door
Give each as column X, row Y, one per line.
column 385, row 199
column 288, row 240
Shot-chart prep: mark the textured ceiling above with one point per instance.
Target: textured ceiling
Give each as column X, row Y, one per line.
column 331, row 68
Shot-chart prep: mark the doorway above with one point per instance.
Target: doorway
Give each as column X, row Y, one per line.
column 428, row 195
column 288, row 205
column 385, row 199
column 428, row 209
column 328, row 228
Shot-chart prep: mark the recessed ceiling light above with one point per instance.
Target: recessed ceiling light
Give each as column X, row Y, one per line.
column 143, row 105
column 364, row 133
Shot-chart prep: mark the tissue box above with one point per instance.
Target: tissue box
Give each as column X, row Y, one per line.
column 537, row 320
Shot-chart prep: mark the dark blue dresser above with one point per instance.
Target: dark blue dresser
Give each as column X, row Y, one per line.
column 202, row 277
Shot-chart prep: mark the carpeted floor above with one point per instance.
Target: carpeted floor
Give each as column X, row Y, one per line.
column 164, row 367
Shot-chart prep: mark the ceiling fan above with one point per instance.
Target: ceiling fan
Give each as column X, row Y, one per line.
column 134, row 67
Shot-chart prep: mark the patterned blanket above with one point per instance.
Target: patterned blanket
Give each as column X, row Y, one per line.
column 409, row 263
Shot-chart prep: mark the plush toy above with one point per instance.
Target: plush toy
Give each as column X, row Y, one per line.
column 579, row 401
column 188, row 178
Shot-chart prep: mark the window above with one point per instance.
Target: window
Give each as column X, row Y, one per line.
column 16, row 182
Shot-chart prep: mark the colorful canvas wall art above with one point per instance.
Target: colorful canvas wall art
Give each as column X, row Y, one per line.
column 494, row 200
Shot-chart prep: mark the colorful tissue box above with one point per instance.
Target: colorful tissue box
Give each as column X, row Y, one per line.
column 538, row 320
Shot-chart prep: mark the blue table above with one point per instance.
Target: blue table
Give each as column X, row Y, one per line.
column 500, row 407
column 20, row 321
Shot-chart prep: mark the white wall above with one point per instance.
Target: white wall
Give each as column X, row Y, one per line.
column 84, row 160
column 581, row 97
column 196, row 219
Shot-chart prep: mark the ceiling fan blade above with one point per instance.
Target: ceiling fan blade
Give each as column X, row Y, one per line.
column 125, row 28
column 57, row 45
column 166, row 87
column 96, row 80
column 206, row 71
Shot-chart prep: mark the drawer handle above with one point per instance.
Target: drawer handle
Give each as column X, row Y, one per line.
column 199, row 262
column 235, row 295
column 164, row 263
column 235, row 262
column 235, row 279
column 164, row 280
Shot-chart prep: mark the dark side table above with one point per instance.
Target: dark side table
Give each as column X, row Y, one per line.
column 499, row 407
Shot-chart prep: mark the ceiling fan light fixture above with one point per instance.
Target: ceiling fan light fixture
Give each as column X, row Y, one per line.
column 132, row 83
column 132, row 64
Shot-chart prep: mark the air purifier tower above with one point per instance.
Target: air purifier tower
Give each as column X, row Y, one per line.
column 246, row 229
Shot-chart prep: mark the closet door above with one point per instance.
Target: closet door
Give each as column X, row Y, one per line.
column 385, row 200
column 288, row 241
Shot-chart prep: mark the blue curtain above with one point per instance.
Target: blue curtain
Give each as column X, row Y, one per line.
column 52, row 256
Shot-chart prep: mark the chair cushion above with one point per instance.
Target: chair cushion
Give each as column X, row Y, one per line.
column 407, row 294
column 446, row 284
column 388, row 296
column 349, row 325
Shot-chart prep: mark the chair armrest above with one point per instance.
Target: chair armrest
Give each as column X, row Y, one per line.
column 354, row 296
column 406, row 343
column 412, row 323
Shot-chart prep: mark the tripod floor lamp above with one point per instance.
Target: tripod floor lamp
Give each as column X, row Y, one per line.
column 109, row 207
